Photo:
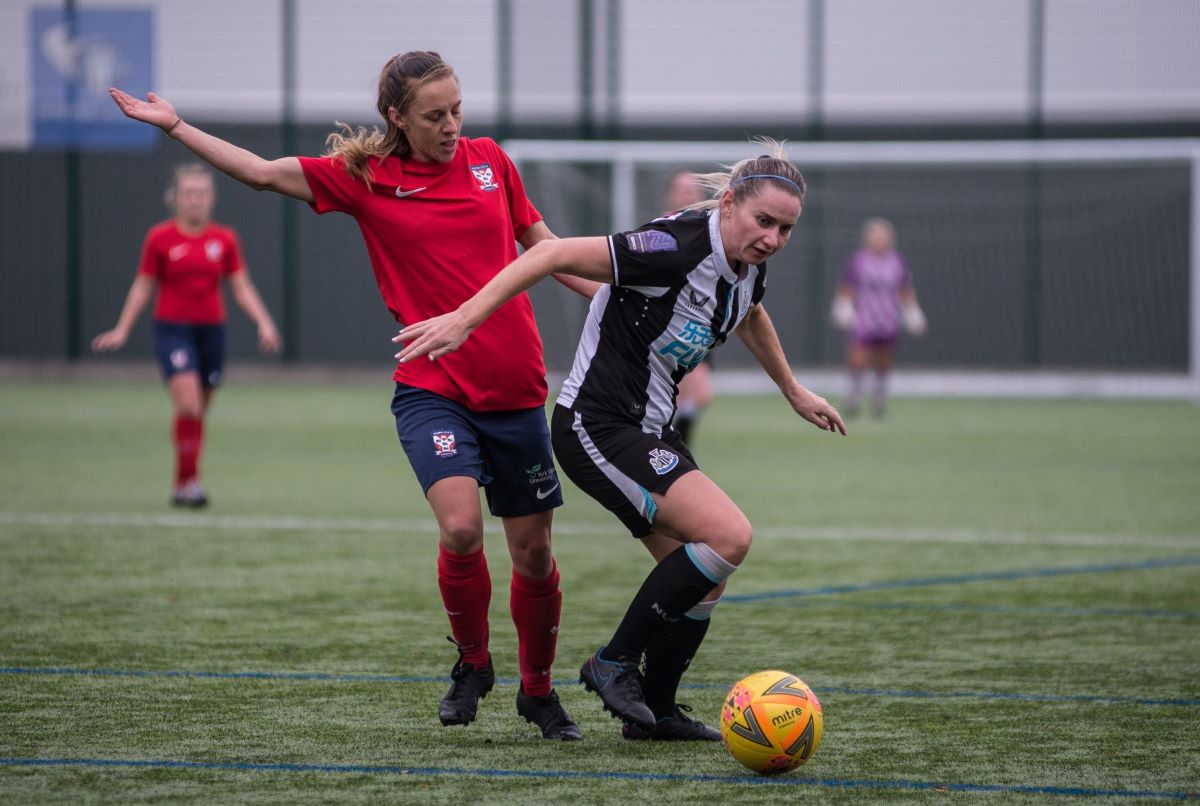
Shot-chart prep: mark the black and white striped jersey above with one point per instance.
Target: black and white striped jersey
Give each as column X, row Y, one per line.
column 673, row 298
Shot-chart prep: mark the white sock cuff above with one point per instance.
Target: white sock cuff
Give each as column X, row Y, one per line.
column 703, row 611
column 711, row 564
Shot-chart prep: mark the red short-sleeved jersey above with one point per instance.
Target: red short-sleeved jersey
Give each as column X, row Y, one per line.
column 189, row 269
column 435, row 234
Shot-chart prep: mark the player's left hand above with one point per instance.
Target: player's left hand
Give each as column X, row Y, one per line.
column 433, row 337
column 269, row 340
column 818, row 411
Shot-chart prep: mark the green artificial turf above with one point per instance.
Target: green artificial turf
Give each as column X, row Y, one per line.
column 993, row 599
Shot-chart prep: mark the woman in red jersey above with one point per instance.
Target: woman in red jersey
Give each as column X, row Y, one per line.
column 674, row 289
column 185, row 258
column 440, row 215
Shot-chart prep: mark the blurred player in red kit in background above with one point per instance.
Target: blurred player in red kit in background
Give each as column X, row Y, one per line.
column 185, row 258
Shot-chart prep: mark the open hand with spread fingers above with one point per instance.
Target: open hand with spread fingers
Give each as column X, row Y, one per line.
column 154, row 110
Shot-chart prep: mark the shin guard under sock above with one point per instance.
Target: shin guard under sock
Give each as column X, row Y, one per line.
column 670, row 654
column 677, row 584
column 188, row 434
column 466, row 589
column 535, row 605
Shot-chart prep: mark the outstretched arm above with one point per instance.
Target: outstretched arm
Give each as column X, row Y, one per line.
column 540, row 232
column 579, row 257
column 282, row 175
column 759, row 336
column 139, row 294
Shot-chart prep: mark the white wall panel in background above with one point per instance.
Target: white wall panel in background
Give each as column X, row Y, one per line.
column 545, row 60
column 16, row 120
column 906, row 60
column 680, row 61
column 711, row 61
column 1122, row 60
column 221, row 58
column 343, row 44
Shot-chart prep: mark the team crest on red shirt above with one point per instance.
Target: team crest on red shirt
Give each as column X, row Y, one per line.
column 485, row 176
column 213, row 249
column 444, row 444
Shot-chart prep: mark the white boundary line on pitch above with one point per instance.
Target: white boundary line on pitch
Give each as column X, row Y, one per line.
column 843, row 533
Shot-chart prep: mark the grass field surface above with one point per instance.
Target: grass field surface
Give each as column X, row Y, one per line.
column 994, row 600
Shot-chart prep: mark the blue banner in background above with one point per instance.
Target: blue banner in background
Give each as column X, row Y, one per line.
column 76, row 58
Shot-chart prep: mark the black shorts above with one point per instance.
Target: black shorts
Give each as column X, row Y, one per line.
column 507, row 452
column 180, row 347
column 618, row 464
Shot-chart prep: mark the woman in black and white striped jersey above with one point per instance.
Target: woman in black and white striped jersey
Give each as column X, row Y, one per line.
column 674, row 289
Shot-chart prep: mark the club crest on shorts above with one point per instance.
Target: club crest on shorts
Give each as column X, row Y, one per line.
column 179, row 358
column 663, row 461
column 484, row 176
column 444, row 444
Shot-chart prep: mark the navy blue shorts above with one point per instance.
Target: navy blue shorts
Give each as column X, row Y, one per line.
column 507, row 452
column 181, row 347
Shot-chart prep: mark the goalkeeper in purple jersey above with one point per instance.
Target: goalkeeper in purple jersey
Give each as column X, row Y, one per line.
column 875, row 301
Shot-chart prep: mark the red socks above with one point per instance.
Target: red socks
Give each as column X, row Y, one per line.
column 466, row 590
column 189, row 437
column 535, row 605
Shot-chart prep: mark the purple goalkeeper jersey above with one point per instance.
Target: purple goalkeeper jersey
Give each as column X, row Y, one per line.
column 877, row 281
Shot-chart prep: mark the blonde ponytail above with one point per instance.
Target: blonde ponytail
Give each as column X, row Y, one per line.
column 749, row 176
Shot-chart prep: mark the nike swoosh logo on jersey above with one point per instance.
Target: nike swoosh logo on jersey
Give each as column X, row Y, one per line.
column 403, row 194
column 542, row 495
column 177, row 252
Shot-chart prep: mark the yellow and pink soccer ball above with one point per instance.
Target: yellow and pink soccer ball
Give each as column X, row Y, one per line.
column 771, row 722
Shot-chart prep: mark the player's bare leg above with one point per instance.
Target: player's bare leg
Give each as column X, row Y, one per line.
column 881, row 360
column 536, row 604
column 695, row 393
column 857, row 359
column 466, row 589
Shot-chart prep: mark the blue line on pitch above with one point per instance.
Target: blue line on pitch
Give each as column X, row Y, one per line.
column 958, row 579
column 512, row 681
column 340, row 678
column 792, row 780
column 999, row 695
column 1121, row 612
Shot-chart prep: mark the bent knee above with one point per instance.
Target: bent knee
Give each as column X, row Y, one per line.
column 533, row 561
column 733, row 540
column 462, row 535
column 189, row 408
column 740, row 541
